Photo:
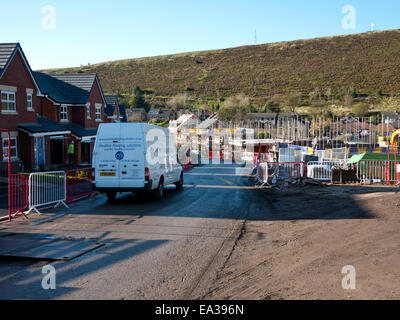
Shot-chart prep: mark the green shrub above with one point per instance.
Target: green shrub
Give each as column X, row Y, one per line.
column 360, row 109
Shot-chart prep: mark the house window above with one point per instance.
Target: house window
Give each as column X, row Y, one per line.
column 13, row 146
column 88, row 110
column 64, row 113
column 29, row 101
column 98, row 112
column 8, row 101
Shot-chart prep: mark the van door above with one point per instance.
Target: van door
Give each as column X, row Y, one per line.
column 131, row 162
column 106, row 154
column 175, row 167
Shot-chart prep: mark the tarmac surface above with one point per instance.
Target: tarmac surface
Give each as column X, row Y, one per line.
column 168, row 249
column 218, row 238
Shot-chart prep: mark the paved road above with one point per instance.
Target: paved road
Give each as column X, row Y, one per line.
column 169, row 249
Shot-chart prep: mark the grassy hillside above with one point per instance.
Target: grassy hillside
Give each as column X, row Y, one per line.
column 368, row 62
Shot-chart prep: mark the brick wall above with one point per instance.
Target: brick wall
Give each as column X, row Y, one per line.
column 16, row 78
column 95, row 97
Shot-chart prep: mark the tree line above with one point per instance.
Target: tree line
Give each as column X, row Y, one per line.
column 320, row 101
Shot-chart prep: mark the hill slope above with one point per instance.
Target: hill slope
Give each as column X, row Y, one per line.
column 368, row 62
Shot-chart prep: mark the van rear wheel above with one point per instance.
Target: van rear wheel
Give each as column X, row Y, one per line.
column 179, row 184
column 111, row 196
column 159, row 192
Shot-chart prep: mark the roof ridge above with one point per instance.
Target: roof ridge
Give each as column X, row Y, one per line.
column 70, row 74
column 66, row 89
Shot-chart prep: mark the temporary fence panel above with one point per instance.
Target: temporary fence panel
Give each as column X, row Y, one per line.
column 247, row 157
column 18, row 195
column 289, row 155
column 322, row 170
column 339, row 154
column 332, row 154
column 282, row 170
column 291, row 170
column 262, row 172
column 195, row 157
column 79, row 184
column 384, row 171
column 320, row 154
column 47, row 188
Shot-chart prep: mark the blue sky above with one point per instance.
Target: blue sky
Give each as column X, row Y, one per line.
column 89, row 31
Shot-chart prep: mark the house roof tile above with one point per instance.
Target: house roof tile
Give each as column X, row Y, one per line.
column 66, row 88
column 46, row 125
column 6, row 51
column 112, row 100
column 111, row 104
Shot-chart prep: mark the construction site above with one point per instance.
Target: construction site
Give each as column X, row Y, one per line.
column 277, row 209
column 340, row 150
column 330, row 193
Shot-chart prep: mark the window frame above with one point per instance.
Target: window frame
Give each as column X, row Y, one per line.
column 88, row 114
column 8, row 93
column 98, row 109
column 29, row 95
column 62, row 112
column 5, row 148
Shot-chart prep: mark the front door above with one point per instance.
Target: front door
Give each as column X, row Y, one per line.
column 39, row 153
column 86, row 153
column 57, row 152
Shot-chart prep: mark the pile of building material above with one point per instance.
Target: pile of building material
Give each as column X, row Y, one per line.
column 295, row 182
column 348, row 175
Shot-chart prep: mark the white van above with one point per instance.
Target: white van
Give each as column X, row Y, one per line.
column 135, row 157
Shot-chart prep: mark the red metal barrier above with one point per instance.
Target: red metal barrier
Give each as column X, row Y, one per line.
column 17, row 187
column 187, row 163
column 79, row 185
column 212, row 154
column 18, row 195
column 380, row 170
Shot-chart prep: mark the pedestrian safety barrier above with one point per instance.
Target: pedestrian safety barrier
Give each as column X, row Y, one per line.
column 280, row 170
column 79, row 185
column 18, row 195
column 262, row 172
column 47, row 189
column 322, row 170
column 379, row 171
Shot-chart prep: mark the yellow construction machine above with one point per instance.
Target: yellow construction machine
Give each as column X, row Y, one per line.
column 394, row 139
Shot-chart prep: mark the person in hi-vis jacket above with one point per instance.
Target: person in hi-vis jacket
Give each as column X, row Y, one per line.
column 71, row 153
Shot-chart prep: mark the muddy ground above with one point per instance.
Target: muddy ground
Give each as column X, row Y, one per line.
column 218, row 238
column 305, row 237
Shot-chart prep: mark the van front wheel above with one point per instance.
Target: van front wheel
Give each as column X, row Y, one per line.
column 159, row 192
column 179, row 184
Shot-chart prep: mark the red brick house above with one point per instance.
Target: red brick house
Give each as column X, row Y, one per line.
column 112, row 108
column 45, row 112
column 20, row 97
column 116, row 112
